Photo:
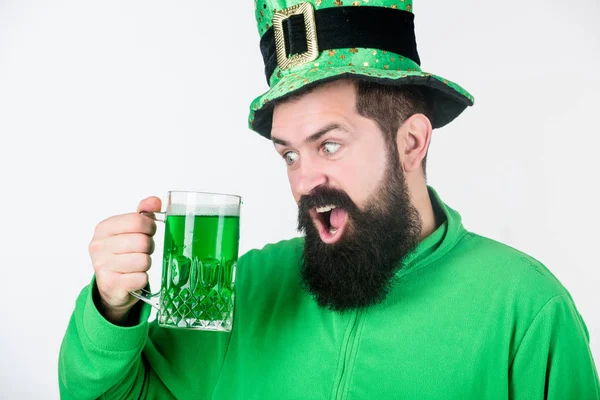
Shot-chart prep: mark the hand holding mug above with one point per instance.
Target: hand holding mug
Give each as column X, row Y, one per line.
column 120, row 251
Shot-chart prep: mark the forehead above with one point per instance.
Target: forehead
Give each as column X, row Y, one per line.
column 300, row 117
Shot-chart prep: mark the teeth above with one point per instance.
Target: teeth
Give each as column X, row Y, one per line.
column 325, row 209
column 332, row 231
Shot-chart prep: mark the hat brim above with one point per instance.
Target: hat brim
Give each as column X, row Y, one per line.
column 449, row 99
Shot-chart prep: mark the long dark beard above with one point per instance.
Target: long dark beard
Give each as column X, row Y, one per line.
column 358, row 270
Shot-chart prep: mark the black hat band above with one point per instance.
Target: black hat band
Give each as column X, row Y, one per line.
column 368, row 27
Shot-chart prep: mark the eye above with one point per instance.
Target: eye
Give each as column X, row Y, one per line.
column 290, row 157
column 331, row 147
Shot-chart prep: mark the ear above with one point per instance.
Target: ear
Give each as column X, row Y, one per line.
column 413, row 139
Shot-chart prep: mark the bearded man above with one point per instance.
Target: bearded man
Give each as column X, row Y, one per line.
column 386, row 295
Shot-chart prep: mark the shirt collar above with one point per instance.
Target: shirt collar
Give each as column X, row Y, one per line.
column 440, row 241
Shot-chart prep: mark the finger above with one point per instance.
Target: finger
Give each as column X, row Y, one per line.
column 134, row 281
column 130, row 263
column 150, row 204
column 125, row 223
column 115, row 287
column 128, row 243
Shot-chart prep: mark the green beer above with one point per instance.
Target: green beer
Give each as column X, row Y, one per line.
column 198, row 274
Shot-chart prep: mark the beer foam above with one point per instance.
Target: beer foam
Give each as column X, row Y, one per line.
column 229, row 210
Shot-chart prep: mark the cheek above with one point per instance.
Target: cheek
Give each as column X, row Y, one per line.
column 361, row 175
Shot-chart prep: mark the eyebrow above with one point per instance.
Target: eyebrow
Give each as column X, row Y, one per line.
column 312, row 138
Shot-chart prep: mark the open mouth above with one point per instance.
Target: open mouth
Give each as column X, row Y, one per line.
column 330, row 222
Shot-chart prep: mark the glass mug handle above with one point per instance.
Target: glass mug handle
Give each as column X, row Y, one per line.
column 143, row 294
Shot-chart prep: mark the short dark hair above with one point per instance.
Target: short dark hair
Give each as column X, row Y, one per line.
column 389, row 106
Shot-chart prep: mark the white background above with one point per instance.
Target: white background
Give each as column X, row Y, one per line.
column 105, row 103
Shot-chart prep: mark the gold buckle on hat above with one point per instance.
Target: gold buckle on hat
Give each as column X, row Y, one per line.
column 283, row 61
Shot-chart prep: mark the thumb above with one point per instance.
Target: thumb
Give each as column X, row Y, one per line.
column 150, row 204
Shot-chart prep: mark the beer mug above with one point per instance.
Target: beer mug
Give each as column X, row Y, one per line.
column 200, row 253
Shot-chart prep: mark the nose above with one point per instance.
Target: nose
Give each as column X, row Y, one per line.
column 306, row 178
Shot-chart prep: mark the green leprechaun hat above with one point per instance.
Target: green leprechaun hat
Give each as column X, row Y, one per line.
column 305, row 43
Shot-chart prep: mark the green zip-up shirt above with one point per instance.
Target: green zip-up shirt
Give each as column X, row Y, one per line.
column 468, row 318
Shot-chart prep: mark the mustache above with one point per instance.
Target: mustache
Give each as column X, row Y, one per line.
column 324, row 196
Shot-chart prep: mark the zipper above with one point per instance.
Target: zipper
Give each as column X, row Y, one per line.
column 347, row 354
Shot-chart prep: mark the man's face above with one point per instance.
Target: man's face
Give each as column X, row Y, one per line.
column 325, row 142
column 354, row 206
